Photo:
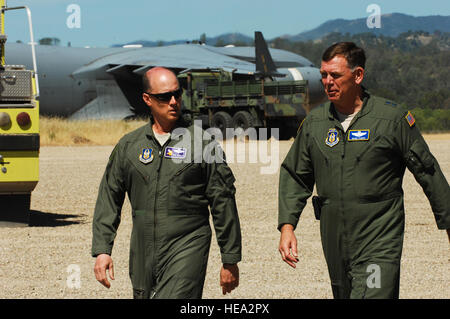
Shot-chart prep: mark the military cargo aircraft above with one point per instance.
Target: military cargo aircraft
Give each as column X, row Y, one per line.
column 100, row 83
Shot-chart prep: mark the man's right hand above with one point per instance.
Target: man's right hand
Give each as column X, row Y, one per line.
column 102, row 263
column 288, row 245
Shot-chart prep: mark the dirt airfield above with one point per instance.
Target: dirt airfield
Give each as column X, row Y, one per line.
column 44, row 261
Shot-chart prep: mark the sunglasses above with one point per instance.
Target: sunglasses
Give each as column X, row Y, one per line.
column 167, row 96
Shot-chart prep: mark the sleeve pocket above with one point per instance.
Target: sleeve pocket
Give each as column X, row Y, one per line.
column 419, row 158
column 227, row 176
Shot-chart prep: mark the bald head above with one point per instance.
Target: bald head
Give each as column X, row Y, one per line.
column 162, row 95
column 158, row 74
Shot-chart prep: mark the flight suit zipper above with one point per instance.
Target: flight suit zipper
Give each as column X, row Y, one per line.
column 342, row 182
column 154, row 217
column 158, row 169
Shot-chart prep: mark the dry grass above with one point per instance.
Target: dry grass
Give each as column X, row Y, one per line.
column 437, row 136
column 57, row 131
column 62, row 132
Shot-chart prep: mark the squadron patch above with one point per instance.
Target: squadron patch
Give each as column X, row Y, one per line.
column 332, row 137
column 175, row 152
column 358, row 135
column 146, row 156
column 410, row 119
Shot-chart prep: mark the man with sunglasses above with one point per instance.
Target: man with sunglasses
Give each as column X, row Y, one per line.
column 170, row 198
column 355, row 149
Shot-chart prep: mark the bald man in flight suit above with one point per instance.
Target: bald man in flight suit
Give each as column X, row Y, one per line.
column 171, row 199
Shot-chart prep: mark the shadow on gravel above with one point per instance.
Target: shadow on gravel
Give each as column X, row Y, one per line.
column 41, row 219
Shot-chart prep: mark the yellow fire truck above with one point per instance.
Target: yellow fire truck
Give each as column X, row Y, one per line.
column 19, row 132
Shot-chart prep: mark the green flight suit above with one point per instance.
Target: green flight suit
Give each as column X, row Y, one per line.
column 358, row 176
column 170, row 189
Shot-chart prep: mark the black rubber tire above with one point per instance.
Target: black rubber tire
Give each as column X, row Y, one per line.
column 243, row 119
column 222, row 120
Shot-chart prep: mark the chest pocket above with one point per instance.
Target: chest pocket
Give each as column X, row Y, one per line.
column 137, row 182
column 187, row 189
column 322, row 168
column 377, row 171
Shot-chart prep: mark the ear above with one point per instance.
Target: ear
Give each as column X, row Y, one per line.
column 359, row 75
column 147, row 99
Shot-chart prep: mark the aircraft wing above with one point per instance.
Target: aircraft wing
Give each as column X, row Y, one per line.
column 281, row 58
column 104, row 82
column 132, row 62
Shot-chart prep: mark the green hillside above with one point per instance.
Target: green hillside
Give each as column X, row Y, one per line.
column 412, row 69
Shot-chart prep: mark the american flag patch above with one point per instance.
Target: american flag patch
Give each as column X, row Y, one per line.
column 410, row 119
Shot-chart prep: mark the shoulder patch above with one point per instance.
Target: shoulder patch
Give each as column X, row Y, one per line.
column 391, row 103
column 410, row 119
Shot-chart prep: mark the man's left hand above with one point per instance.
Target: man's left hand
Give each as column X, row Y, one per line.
column 229, row 277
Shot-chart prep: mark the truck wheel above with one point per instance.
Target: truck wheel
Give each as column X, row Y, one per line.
column 242, row 119
column 222, row 120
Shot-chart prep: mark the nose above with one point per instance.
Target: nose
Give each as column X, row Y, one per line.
column 173, row 100
column 327, row 79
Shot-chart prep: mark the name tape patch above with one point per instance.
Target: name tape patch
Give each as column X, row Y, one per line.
column 358, row 135
column 175, row 152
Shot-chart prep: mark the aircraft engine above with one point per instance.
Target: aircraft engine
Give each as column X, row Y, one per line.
column 312, row 75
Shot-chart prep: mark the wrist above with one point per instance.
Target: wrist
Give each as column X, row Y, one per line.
column 287, row 227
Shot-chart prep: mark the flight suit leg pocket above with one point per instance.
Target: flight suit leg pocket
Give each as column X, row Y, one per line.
column 331, row 237
column 375, row 280
column 137, row 271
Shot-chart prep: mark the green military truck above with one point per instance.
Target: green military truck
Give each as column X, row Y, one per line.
column 259, row 103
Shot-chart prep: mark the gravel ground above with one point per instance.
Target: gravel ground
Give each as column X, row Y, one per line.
column 39, row 261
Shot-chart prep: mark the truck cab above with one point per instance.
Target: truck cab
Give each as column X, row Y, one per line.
column 19, row 135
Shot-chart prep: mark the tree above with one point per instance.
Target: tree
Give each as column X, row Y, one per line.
column 203, row 38
column 220, row 43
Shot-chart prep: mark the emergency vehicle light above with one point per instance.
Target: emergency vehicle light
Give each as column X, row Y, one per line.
column 23, row 119
column 5, row 120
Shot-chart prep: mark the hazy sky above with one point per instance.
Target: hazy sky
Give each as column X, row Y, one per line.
column 106, row 22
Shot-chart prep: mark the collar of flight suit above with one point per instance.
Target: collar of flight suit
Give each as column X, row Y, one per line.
column 366, row 107
column 179, row 123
